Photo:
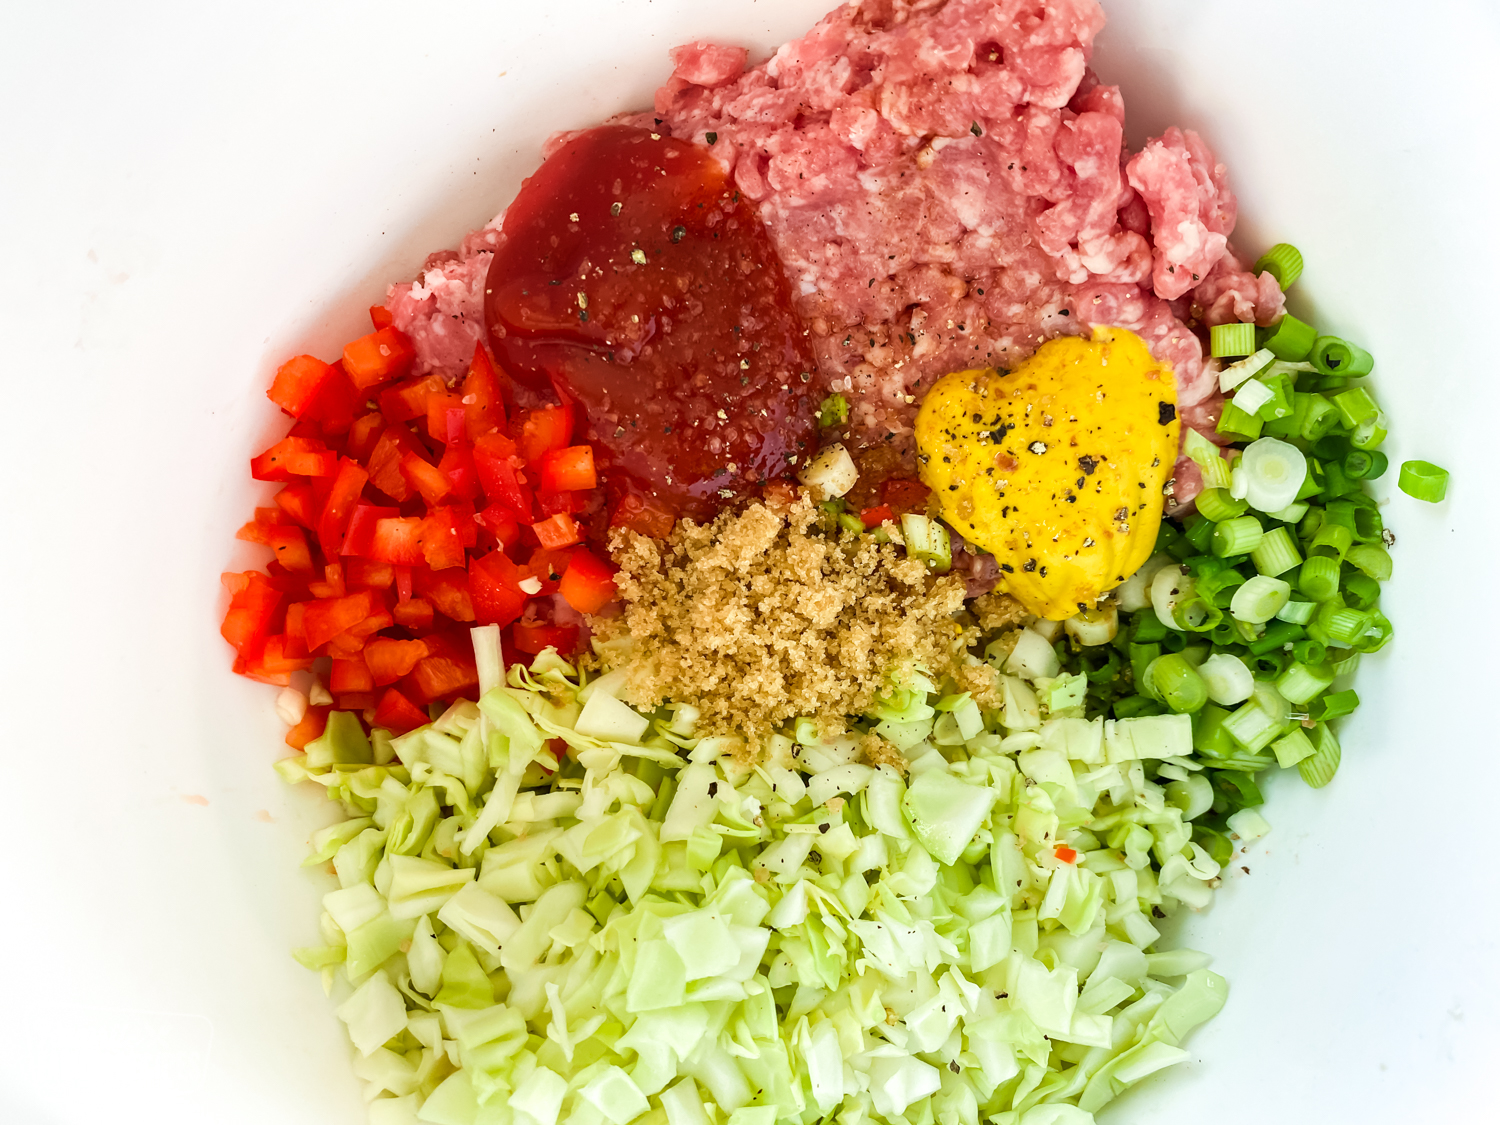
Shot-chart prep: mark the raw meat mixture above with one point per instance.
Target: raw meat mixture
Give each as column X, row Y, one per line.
column 947, row 185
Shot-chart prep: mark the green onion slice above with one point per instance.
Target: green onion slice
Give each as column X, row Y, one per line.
column 1283, row 262
column 1231, row 340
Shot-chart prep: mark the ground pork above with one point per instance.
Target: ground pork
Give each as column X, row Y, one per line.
column 947, row 185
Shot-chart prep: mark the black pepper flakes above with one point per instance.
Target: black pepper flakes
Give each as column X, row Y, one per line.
column 1165, row 412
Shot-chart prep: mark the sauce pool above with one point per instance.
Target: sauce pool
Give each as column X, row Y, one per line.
column 632, row 279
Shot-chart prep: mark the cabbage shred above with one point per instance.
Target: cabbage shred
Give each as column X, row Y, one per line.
column 645, row 929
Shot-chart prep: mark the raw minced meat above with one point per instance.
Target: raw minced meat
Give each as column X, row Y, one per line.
column 947, row 185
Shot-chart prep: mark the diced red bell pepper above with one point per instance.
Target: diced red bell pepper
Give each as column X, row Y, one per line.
column 551, row 503
column 314, row 719
column 547, row 567
column 416, row 614
column 332, row 585
column 380, row 317
column 502, row 524
column 1065, row 853
column 337, row 403
column 359, row 538
column 384, row 354
column 296, row 500
column 252, row 609
column 446, row 590
column 558, row 531
column 361, row 701
column 484, row 401
column 903, row 495
column 298, row 382
column 458, row 466
column 348, row 483
column 442, row 539
column 443, row 409
column 545, row 429
column 326, row 618
column 408, row 399
column 425, row 477
column 271, row 665
column 588, row 585
column 258, row 530
column 364, row 432
column 494, row 589
column 398, row 714
column 350, row 675
column 295, row 637
column 366, row 574
column 399, row 541
column 384, row 463
column 874, row 517
column 501, row 481
column 290, row 544
column 294, row 456
column 534, row 636
column 446, row 671
column 388, row 660
column 570, row 469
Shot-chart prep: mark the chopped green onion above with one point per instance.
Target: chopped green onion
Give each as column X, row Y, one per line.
column 1199, row 532
column 1273, row 473
column 1319, row 578
column 1422, row 480
column 1345, row 665
column 1377, row 635
column 1371, row 559
column 1259, row 599
column 1309, row 651
column 1355, row 406
column 1231, row 340
column 1236, row 536
column 1333, row 356
column 1312, row 485
column 1319, row 769
column 1321, row 417
column 1342, row 624
column 1205, row 454
column 1364, row 465
column 1280, row 405
column 833, row 411
column 927, row 539
column 1361, row 591
column 1301, row 683
column 1252, row 726
column 1277, row 636
column 1291, row 339
column 1237, row 424
column 1275, row 553
column 1330, row 540
column 1298, row 613
column 1217, row 505
column 1334, row 706
column 1228, row 679
column 1175, row 682
column 1369, row 433
column 1283, row 262
column 1236, row 373
column 1335, row 483
column 1252, row 395
column 1292, row 748
column 1291, row 513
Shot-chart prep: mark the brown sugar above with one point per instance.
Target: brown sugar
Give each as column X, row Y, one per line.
column 760, row 618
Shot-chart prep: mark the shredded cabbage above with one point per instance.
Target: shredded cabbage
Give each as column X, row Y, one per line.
column 647, row 929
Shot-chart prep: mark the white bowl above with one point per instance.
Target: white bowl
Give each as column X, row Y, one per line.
column 190, row 193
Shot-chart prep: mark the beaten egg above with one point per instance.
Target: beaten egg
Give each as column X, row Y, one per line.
column 1057, row 466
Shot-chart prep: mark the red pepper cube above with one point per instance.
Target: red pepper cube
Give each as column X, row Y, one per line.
column 588, row 585
column 398, row 714
column 408, row 399
column 483, row 399
column 314, row 719
column 570, row 469
column 495, row 459
column 545, row 429
column 442, row 539
column 874, row 517
column 399, row 541
column 337, row 403
column 903, row 495
column 388, row 660
column 290, row 544
column 364, row 432
column 296, row 500
column 425, row 477
column 558, row 531
column 359, row 537
column 447, row 591
column 365, row 574
column 495, row 589
column 294, row 456
column 297, row 383
column 384, row 354
column 348, row 483
column 326, row 618
column 380, row 317
column 350, row 675
column 439, row 408
column 252, row 608
column 417, row 614
column 534, row 637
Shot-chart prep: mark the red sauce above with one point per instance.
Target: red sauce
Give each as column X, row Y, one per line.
column 632, row 279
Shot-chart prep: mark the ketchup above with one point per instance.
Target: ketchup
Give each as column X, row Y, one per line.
column 632, row 279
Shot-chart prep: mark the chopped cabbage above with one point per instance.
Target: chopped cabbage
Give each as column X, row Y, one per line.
column 648, row 929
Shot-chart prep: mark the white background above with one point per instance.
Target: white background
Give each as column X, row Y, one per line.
column 190, row 193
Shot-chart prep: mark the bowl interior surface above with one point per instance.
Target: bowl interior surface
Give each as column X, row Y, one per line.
column 192, row 193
